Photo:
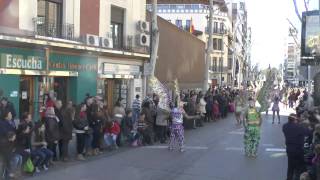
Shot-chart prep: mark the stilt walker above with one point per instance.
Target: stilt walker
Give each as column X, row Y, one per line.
column 252, row 124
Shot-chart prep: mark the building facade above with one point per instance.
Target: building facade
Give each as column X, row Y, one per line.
column 193, row 16
column 238, row 12
column 69, row 49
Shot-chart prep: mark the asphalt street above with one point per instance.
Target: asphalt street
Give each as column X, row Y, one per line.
column 213, row 152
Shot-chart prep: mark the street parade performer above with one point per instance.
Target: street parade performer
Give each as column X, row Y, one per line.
column 252, row 123
column 253, row 120
column 176, row 127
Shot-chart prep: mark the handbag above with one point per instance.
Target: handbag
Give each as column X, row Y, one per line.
column 28, row 167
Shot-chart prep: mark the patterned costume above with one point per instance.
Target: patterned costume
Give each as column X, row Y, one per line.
column 252, row 132
column 177, row 130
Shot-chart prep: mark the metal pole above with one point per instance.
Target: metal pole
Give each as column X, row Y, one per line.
column 309, row 79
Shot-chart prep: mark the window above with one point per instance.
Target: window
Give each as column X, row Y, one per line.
column 220, row 45
column 49, row 18
column 242, row 6
column 188, row 24
column 229, row 78
column 230, row 63
column 222, row 28
column 179, row 23
column 214, row 64
column 215, row 27
column 215, row 44
column 116, row 26
column 221, row 64
column 234, row 5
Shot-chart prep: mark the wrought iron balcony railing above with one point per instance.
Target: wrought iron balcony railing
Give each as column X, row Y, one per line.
column 54, row 30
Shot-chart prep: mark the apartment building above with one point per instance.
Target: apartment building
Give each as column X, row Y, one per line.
column 71, row 48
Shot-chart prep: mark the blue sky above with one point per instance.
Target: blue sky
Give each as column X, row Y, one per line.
column 268, row 20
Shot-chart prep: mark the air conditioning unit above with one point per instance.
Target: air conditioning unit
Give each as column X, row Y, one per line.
column 143, row 26
column 143, row 39
column 106, row 42
column 91, row 40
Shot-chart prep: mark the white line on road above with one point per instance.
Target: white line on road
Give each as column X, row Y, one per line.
column 268, row 145
column 236, row 132
column 186, row 147
column 234, row 149
column 276, row 150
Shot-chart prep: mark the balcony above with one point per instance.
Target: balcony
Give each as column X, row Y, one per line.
column 54, row 30
column 217, row 69
column 216, row 31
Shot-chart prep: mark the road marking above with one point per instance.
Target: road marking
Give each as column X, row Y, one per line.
column 186, row 147
column 275, row 150
column 277, row 155
column 236, row 132
column 234, row 149
column 268, row 145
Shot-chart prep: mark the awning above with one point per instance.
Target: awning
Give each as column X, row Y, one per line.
column 38, row 73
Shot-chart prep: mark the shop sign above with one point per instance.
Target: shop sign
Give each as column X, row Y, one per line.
column 120, row 69
column 72, row 66
column 14, row 61
column 61, row 62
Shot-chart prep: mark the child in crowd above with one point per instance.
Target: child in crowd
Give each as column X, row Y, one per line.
column 143, row 130
column 111, row 134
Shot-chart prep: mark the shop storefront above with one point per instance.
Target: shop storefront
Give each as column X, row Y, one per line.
column 119, row 79
column 26, row 76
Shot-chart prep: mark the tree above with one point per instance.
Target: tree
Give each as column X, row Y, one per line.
column 209, row 46
column 155, row 37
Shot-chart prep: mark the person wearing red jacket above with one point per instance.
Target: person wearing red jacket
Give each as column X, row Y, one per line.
column 111, row 134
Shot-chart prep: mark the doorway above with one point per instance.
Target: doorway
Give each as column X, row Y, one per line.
column 60, row 87
column 26, row 96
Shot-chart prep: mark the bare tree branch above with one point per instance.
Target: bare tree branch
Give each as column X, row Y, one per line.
column 306, row 4
column 297, row 10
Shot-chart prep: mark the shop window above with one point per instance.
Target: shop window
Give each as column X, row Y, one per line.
column 116, row 26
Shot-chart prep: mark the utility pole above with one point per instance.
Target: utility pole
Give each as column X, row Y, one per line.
column 209, row 47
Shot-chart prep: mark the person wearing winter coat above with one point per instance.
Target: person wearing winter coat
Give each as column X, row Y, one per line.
column 66, row 128
column 162, row 119
column 111, row 134
column 81, row 126
column 52, row 131
column 7, row 146
column 39, row 146
column 96, row 124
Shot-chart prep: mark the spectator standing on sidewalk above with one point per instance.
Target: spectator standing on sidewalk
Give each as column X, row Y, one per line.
column 162, row 119
column 81, row 125
column 5, row 106
column 66, row 131
column 294, row 138
column 7, row 142
column 136, row 108
column 52, row 131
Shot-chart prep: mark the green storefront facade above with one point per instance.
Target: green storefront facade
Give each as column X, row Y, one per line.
column 27, row 75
